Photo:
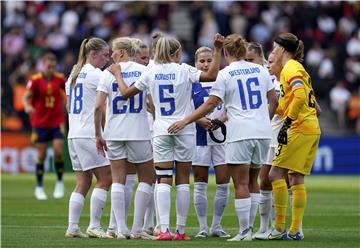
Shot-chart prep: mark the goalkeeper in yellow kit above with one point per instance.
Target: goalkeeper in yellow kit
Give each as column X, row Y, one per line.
column 298, row 138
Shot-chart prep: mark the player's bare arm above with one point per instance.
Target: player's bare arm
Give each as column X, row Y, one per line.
column 28, row 108
column 273, row 102
column 98, row 113
column 204, row 109
column 125, row 91
column 211, row 74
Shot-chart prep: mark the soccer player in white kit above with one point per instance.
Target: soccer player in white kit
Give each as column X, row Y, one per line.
column 208, row 153
column 254, row 54
column 169, row 84
column 81, row 91
column 127, row 137
column 245, row 88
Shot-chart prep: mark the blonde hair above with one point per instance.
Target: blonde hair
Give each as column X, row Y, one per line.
column 257, row 48
column 138, row 44
column 235, row 46
column 87, row 45
column 124, row 43
column 166, row 48
column 155, row 37
column 202, row 49
column 291, row 44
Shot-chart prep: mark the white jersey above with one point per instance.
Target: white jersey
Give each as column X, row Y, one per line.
column 243, row 87
column 150, row 116
column 81, row 101
column 200, row 94
column 277, row 121
column 125, row 119
column 170, row 88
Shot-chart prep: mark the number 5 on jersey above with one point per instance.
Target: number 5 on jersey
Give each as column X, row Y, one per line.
column 164, row 91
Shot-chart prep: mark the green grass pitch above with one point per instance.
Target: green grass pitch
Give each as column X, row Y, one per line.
column 332, row 217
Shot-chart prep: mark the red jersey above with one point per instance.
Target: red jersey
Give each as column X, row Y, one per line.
column 47, row 100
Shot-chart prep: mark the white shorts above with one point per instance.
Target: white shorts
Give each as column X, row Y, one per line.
column 209, row 155
column 270, row 155
column 174, row 148
column 251, row 151
column 136, row 151
column 84, row 156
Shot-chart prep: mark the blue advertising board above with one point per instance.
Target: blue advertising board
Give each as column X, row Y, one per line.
column 338, row 155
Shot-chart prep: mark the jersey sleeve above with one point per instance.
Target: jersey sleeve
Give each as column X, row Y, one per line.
column 192, row 72
column 142, row 82
column 104, row 80
column 293, row 76
column 218, row 88
column 269, row 83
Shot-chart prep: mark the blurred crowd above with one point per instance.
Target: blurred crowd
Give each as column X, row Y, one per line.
column 330, row 31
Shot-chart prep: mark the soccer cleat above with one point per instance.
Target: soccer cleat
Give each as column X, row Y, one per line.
column 76, row 234
column 149, row 231
column 166, row 236
column 59, row 190
column 296, row 236
column 244, row 236
column 202, row 234
column 40, row 193
column 111, row 232
column 219, row 232
column 276, row 235
column 98, row 233
column 178, row 236
column 156, row 231
column 262, row 235
column 142, row 235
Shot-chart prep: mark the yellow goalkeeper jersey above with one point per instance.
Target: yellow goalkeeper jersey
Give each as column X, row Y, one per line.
column 297, row 99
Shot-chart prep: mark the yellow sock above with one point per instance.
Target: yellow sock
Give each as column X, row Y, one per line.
column 298, row 206
column 280, row 203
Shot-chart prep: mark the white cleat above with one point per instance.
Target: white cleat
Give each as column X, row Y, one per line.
column 244, row 236
column 40, row 193
column 142, row 235
column 149, row 230
column 111, row 232
column 59, row 190
column 262, row 235
column 156, row 231
column 98, row 233
column 202, row 234
column 76, row 234
column 219, row 232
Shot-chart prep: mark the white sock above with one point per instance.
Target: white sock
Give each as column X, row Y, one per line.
column 242, row 207
column 76, row 204
column 129, row 187
column 220, row 202
column 157, row 216
column 163, row 199
column 255, row 200
column 272, row 211
column 201, row 204
column 182, row 206
column 112, row 222
column 264, row 209
column 118, row 206
column 97, row 203
column 149, row 213
column 142, row 198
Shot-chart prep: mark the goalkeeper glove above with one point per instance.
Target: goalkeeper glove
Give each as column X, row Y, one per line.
column 283, row 134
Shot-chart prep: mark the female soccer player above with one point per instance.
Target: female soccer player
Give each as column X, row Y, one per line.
column 127, row 136
column 43, row 102
column 169, row 84
column 254, row 54
column 81, row 91
column 265, row 206
column 298, row 137
column 208, row 152
column 245, row 88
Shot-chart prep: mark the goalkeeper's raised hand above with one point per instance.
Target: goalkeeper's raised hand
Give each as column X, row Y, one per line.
column 283, row 133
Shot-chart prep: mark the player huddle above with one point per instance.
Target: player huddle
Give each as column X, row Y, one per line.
column 157, row 123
